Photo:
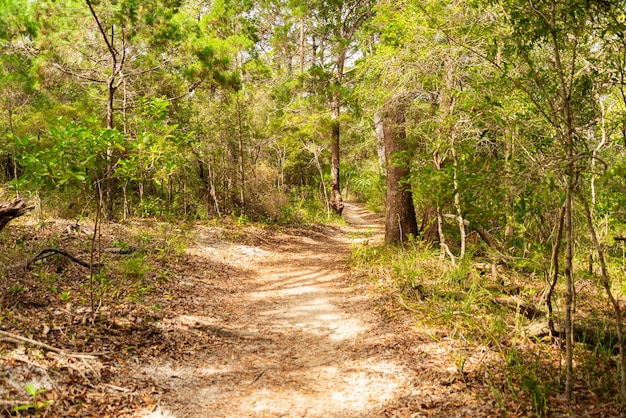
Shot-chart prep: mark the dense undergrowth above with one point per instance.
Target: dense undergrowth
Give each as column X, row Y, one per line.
column 493, row 316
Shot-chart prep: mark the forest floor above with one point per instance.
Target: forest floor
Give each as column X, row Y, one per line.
column 218, row 321
column 299, row 340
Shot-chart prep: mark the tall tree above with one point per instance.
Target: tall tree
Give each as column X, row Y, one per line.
column 400, row 221
column 337, row 24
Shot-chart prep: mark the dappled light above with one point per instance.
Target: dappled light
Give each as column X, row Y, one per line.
column 294, row 348
column 306, row 208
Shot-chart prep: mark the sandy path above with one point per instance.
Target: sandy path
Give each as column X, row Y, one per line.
column 306, row 342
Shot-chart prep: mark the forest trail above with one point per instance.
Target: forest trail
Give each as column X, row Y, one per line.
column 294, row 340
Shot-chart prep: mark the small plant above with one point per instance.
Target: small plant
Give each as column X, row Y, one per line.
column 459, row 361
column 121, row 244
column 36, row 405
column 242, row 220
column 17, row 288
column 135, row 267
column 65, row 296
column 151, row 207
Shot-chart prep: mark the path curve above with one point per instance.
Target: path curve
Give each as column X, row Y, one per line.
column 301, row 342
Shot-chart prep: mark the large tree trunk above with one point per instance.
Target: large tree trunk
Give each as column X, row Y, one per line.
column 12, row 210
column 400, row 220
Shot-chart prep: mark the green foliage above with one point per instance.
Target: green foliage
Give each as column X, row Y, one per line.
column 16, row 288
column 36, row 405
column 68, row 156
column 135, row 267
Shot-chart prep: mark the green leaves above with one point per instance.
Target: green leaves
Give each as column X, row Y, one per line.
column 68, row 155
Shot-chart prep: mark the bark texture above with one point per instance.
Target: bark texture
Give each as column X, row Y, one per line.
column 400, row 220
column 336, row 201
column 12, row 210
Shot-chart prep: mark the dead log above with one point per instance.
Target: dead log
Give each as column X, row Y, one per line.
column 484, row 234
column 11, row 210
column 588, row 335
column 519, row 305
column 487, row 237
column 118, row 250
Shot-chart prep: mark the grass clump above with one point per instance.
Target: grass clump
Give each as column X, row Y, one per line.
column 474, row 307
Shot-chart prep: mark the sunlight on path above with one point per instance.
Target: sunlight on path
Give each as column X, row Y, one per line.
column 310, row 357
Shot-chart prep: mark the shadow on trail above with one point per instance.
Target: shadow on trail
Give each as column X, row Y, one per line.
column 307, row 345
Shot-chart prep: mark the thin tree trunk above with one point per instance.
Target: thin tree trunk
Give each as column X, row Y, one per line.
column 336, row 201
column 14, row 156
column 318, row 165
column 568, row 142
column 509, row 229
column 569, row 294
column 429, row 227
column 242, row 172
column 212, row 190
column 445, row 250
column 457, row 202
column 554, row 265
column 302, row 45
column 380, row 139
column 606, row 283
column 117, row 63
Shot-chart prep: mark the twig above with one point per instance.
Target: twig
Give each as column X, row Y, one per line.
column 118, row 388
column 11, row 402
column 19, row 338
column 405, row 306
column 259, row 375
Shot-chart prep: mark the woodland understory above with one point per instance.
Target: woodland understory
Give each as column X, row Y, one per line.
column 489, row 135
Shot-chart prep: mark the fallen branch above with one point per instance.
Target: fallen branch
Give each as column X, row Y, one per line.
column 48, row 252
column 13, row 402
column 517, row 304
column 118, row 250
column 11, row 210
column 117, row 388
column 592, row 337
column 18, row 338
column 487, row 237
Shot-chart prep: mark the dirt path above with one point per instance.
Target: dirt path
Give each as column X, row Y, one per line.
column 297, row 343
column 219, row 321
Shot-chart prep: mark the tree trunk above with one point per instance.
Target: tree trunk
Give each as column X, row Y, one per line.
column 336, row 201
column 617, row 310
column 429, row 227
column 400, row 220
column 242, row 167
column 302, row 45
column 108, row 172
column 380, row 139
